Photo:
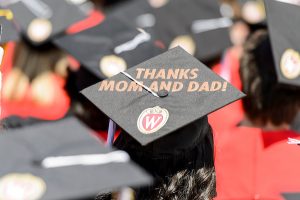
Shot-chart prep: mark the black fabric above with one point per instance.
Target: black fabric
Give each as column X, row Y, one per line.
column 183, row 149
column 184, row 106
column 28, row 146
column 9, row 31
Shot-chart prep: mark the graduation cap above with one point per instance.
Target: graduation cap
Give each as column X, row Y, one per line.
column 285, row 41
column 40, row 20
column 191, row 24
column 110, row 47
column 62, row 161
column 9, row 30
column 291, row 196
column 161, row 95
column 197, row 26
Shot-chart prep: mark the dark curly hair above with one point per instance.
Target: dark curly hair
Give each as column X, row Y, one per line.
column 182, row 163
column 267, row 100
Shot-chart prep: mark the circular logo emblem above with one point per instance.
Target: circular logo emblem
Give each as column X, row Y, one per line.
column 253, row 12
column 21, row 186
column 112, row 65
column 158, row 3
column 152, row 119
column 39, row 30
column 290, row 64
column 186, row 42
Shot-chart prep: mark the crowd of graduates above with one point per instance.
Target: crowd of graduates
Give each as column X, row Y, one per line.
column 70, row 129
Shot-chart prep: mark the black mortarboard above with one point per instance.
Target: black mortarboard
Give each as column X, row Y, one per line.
column 110, row 47
column 62, row 161
column 285, row 40
column 291, row 196
column 9, row 30
column 40, row 20
column 161, row 95
column 196, row 25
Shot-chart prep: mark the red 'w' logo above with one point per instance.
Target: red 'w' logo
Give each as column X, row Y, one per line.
column 151, row 121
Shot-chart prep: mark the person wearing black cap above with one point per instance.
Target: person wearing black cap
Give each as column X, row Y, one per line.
column 268, row 104
column 181, row 162
column 257, row 149
column 162, row 106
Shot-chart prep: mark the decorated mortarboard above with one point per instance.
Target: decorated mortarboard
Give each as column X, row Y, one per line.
column 9, row 30
column 161, row 95
column 283, row 28
column 110, row 47
column 62, row 161
column 291, row 196
column 40, row 20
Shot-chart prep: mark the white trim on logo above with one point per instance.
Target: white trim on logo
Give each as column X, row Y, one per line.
column 152, row 124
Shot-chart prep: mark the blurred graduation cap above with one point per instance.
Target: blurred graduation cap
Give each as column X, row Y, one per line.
column 62, row 161
column 9, row 30
column 285, row 41
column 40, row 20
column 110, row 47
column 291, row 196
column 161, row 95
column 195, row 25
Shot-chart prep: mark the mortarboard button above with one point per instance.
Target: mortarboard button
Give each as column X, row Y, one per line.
column 132, row 98
column 163, row 93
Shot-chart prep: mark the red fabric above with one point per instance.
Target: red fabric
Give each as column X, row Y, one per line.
column 27, row 108
column 95, row 18
column 231, row 115
column 254, row 164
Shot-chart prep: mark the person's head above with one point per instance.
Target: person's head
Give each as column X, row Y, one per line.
column 267, row 101
column 182, row 163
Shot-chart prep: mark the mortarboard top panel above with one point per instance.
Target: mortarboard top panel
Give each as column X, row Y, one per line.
column 285, row 41
column 9, row 31
column 196, row 25
column 110, row 47
column 29, row 146
column 291, row 196
column 40, row 20
column 188, row 91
